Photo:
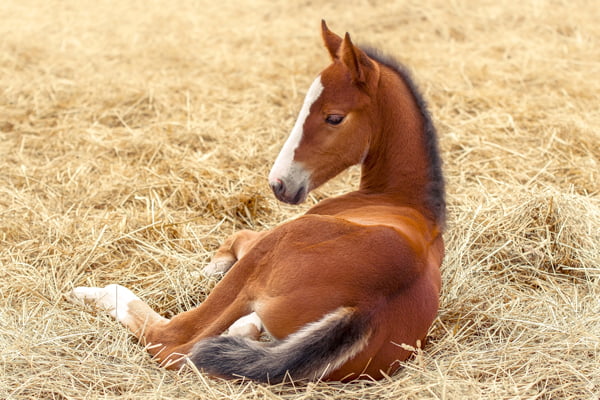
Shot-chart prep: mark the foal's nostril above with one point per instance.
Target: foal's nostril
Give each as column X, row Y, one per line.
column 278, row 187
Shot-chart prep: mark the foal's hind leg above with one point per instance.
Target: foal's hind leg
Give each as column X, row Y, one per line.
column 234, row 248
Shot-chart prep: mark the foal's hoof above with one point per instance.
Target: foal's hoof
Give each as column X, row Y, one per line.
column 104, row 298
column 219, row 266
column 112, row 298
column 84, row 295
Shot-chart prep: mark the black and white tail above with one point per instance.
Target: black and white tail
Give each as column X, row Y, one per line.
column 313, row 352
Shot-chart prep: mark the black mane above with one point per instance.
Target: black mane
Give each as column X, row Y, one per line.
column 436, row 194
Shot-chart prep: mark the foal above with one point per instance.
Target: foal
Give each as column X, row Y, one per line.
column 343, row 287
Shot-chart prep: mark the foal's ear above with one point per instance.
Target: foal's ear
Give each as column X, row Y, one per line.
column 331, row 40
column 358, row 63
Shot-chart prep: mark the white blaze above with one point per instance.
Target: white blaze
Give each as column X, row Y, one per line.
column 284, row 167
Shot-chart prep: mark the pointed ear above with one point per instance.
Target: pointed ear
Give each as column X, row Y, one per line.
column 331, row 40
column 358, row 63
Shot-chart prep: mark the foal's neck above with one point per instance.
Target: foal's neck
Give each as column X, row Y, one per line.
column 403, row 160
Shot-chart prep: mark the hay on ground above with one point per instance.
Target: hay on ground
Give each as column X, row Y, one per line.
column 135, row 136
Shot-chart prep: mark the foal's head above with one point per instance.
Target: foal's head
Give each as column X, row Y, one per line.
column 335, row 123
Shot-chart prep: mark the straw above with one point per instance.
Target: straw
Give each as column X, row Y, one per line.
column 136, row 136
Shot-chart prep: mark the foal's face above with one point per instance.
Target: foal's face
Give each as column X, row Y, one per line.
column 331, row 133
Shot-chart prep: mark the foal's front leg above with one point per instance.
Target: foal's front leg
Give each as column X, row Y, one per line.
column 122, row 305
column 234, row 248
column 170, row 340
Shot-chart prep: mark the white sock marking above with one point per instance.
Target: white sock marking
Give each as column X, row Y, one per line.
column 242, row 326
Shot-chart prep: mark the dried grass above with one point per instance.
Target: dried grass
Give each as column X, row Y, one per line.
column 135, row 136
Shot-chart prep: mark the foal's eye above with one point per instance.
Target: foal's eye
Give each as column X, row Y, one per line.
column 334, row 119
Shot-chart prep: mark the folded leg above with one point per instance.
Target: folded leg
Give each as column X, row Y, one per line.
column 234, row 248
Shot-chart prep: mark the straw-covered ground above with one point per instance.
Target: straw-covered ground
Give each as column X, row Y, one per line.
column 136, row 135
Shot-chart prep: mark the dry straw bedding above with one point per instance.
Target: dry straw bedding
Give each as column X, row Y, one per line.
column 135, row 136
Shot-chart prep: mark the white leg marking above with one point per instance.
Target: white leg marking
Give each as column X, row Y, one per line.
column 113, row 298
column 284, row 167
column 246, row 326
column 219, row 265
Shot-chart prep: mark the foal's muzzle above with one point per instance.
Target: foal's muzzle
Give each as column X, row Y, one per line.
column 283, row 193
column 278, row 188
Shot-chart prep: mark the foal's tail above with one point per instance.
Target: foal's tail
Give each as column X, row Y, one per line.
column 313, row 352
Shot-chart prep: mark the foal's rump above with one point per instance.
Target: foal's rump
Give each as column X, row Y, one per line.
column 316, row 266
